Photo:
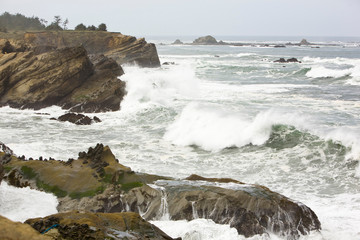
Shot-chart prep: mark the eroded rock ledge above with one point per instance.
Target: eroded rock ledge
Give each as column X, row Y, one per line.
column 65, row 77
column 97, row 182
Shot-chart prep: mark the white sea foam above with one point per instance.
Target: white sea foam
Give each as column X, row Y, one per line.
column 158, row 86
column 204, row 229
column 323, row 72
column 20, row 204
column 213, row 128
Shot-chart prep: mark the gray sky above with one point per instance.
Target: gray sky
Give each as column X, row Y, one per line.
column 202, row 17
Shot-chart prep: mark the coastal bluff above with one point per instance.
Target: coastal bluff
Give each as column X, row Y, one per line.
column 74, row 70
column 97, row 182
column 122, row 48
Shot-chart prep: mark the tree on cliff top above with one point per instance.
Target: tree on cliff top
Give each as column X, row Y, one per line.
column 102, row 27
column 15, row 22
column 55, row 25
column 80, row 27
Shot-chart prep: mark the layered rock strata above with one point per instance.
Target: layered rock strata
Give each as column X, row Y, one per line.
column 122, row 48
column 65, row 77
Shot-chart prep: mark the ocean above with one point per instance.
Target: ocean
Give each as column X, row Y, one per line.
column 222, row 111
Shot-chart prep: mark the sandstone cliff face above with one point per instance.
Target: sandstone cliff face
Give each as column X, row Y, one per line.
column 122, row 48
column 64, row 77
column 97, row 182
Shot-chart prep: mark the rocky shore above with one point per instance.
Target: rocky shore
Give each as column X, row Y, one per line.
column 74, row 70
column 97, row 182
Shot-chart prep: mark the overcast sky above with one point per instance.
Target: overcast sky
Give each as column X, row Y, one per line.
column 202, row 17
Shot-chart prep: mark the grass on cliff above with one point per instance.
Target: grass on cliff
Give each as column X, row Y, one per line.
column 90, row 193
column 28, row 172
column 53, row 189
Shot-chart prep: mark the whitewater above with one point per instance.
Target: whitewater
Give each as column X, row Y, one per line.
column 221, row 111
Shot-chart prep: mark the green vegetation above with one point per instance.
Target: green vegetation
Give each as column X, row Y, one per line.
column 52, row 189
column 82, row 27
column 90, row 193
column 128, row 186
column 28, row 172
column 8, row 168
column 19, row 22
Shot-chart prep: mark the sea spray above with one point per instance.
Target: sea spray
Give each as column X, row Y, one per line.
column 20, row 204
column 163, row 213
column 158, row 86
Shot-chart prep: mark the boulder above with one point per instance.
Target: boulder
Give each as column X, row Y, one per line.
column 99, row 226
column 177, row 42
column 65, row 77
column 282, row 60
column 10, row 230
column 207, row 40
column 97, row 182
column 168, row 63
column 78, row 119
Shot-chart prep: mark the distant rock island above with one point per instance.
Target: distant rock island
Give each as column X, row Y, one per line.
column 210, row 40
column 207, row 40
column 74, row 70
column 177, row 42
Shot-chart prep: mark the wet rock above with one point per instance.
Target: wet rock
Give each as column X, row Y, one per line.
column 10, row 230
column 168, row 63
column 282, row 60
column 5, row 149
column 76, row 225
column 279, row 46
column 78, row 119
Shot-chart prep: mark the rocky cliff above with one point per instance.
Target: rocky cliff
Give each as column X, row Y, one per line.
column 75, row 70
column 97, row 182
column 65, row 77
column 122, row 48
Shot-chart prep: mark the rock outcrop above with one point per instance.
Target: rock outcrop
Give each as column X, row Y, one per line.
column 122, row 48
column 96, row 182
column 177, row 42
column 282, row 60
column 304, row 42
column 99, row 226
column 207, row 40
column 10, row 230
column 78, row 119
column 65, row 77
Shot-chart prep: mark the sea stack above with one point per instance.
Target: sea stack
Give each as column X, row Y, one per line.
column 207, row 40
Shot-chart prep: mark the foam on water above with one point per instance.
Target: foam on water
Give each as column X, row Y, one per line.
column 296, row 128
column 204, row 229
column 158, row 86
column 20, row 204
